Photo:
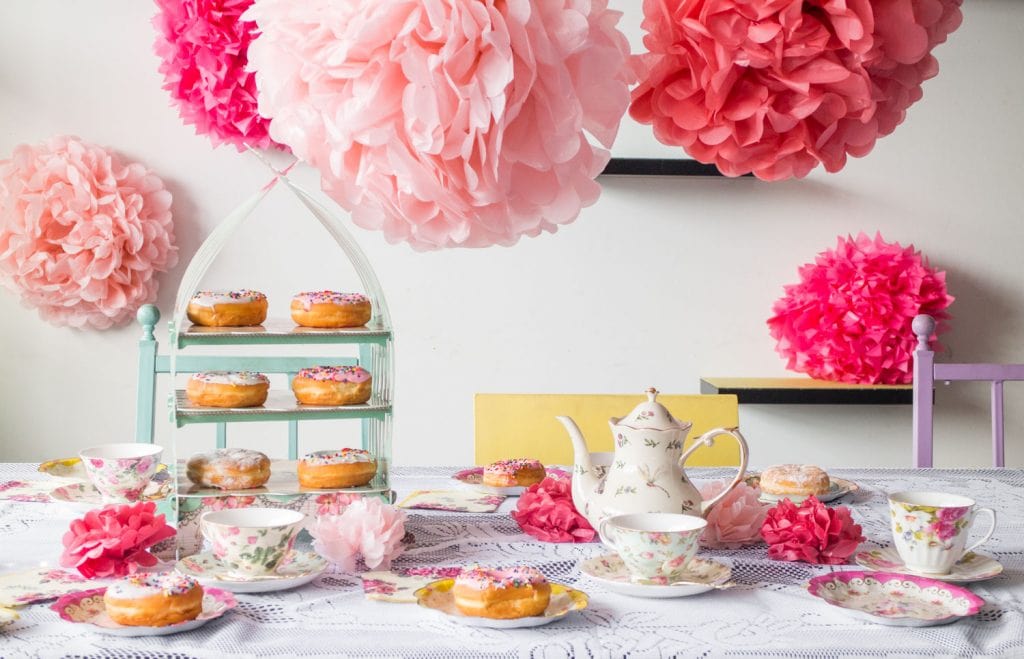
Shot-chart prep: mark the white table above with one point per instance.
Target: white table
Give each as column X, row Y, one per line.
column 768, row 614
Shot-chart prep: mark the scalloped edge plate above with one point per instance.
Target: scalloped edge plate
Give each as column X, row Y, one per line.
column 840, row 487
column 610, row 572
column 86, row 608
column 972, row 566
column 473, row 478
column 826, row 588
column 299, row 571
column 436, row 596
column 85, row 493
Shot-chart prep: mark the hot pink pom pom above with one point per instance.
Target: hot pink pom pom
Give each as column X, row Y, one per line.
column 366, row 527
column 848, row 320
column 811, row 532
column 82, row 233
column 546, row 512
column 776, row 87
column 113, row 541
column 202, row 45
column 736, row 520
column 443, row 124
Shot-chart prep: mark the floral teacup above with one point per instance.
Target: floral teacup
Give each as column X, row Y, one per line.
column 252, row 541
column 930, row 529
column 121, row 472
column 654, row 546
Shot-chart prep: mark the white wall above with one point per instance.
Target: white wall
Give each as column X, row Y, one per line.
column 661, row 282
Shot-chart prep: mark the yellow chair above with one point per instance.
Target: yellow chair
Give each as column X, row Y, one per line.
column 524, row 425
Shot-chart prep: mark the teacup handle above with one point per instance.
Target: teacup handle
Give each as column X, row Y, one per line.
column 708, row 439
column 605, row 533
column 991, row 529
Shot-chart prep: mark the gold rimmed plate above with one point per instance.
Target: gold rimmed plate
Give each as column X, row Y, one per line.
column 437, row 596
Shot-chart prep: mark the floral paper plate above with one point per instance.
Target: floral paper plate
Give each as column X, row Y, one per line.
column 898, row 600
column 474, row 478
column 85, row 493
column 839, row 487
column 301, row 568
column 702, row 575
column 971, row 567
column 87, row 608
column 438, row 597
column 71, row 468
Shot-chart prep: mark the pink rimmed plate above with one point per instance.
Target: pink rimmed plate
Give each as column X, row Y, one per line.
column 87, row 607
column 897, row 600
column 474, row 478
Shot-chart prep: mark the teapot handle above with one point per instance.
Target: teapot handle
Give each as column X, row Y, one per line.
column 708, row 439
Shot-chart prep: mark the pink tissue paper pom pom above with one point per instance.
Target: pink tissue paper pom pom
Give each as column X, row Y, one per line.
column 776, row 87
column 546, row 512
column 811, row 532
column 113, row 541
column 82, row 232
column 736, row 520
column 456, row 123
column 849, row 319
column 366, row 527
column 202, row 46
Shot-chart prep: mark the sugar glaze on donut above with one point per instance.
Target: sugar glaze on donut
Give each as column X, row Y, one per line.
column 330, row 309
column 241, row 308
column 515, row 472
column 519, row 592
column 154, row 600
column 332, row 385
column 229, row 469
column 348, row 467
column 228, row 388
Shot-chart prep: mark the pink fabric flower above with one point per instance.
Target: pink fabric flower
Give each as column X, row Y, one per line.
column 82, row 233
column 446, row 123
column 366, row 527
column 546, row 512
column 113, row 541
column 202, row 46
column 776, row 87
column 811, row 532
column 848, row 320
column 736, row 520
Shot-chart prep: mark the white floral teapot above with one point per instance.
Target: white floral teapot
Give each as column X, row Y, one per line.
column 646, row 475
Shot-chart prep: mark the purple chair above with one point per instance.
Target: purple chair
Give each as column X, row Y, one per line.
column 926, row 372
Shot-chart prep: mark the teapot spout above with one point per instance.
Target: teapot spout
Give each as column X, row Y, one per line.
column 584, row 480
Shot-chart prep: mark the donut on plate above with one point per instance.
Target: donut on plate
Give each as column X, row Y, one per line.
column 798, row 480
column 330, row 309
column 229, row 469
column 241, row 308
column 154, row 600
column 349, row 467
column 512, row 473
column 228, row 389
column 332, row 385
column 520, row 592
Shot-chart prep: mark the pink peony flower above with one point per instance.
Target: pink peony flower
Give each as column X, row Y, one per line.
column 82, row 233
column 736, row 520
column 112, row 541
column 366, row 527
column 546, row 512
column 776, row 87
column 848, row 320
column 442, row 124
column 812, row 532
column 202, row 46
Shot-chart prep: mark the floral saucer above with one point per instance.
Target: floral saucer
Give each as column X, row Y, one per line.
column 72, row 469
column 474, row 478
column 702, row 575
column 897, row 600
column 87, row 607
column 839, row 487
column 301, row 568
column 437, row 596
column 85, row 493
column 972, row 567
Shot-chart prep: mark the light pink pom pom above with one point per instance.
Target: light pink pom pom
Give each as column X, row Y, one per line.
column 848, row 320
column 446, row 123
column 82, row 233
column 736, row 520
column 366, row 527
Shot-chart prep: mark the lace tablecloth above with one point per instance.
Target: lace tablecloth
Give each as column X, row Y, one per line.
column 768, row 614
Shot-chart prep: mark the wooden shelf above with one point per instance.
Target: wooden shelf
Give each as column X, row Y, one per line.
column 804, row 391
column 279, row 332
column 280, row 406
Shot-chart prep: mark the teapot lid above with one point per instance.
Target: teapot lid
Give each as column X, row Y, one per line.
column 651, row 415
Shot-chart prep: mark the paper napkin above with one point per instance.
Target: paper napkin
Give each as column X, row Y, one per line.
column 400, row 585
column 37, row 585
column 455, row 501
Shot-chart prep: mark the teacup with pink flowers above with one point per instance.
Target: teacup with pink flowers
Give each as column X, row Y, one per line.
column 655, row 547
column 121, row 472
column 252, row 541
column 930, row 529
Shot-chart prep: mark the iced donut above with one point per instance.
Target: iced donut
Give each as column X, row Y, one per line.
column 229, row 469
column 154, row 600
column 520, row 592
column 802, row 480
column 227, row 308
column 511, row 473
column 332, row 385
column 330, row 309
column 228, row 389
column 349, row 467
